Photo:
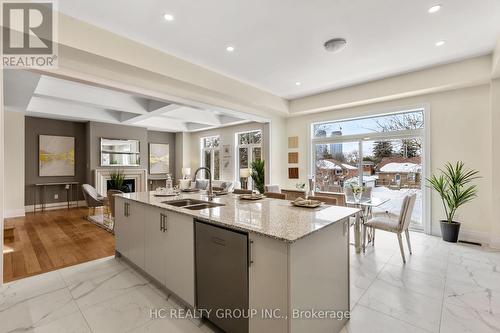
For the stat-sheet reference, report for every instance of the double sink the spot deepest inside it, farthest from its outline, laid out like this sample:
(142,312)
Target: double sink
(193,204)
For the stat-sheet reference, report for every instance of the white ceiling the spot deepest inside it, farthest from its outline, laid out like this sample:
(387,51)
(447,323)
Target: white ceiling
(279,42)
(50,97)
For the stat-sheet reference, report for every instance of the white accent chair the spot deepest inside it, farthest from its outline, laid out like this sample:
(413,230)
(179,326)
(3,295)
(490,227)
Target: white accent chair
(387,222)
(92,198)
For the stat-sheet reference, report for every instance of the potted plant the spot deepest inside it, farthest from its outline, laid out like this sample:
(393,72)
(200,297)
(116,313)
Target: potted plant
(116,181)
(257,175)
(453,184)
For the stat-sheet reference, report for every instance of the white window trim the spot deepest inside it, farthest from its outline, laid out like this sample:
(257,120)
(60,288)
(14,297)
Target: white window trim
(212,150)
(423,133)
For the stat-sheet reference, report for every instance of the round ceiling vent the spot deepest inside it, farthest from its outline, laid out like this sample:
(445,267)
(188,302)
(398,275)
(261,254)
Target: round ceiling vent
(335,45)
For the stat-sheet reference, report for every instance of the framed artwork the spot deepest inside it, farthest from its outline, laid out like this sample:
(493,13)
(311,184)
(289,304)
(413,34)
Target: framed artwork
(293,173)
(293,158)
(56,156)
(159,158)
(226,150)
(293,142)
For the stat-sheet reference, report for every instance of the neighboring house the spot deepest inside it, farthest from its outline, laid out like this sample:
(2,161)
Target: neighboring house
(399,172)
(331,173)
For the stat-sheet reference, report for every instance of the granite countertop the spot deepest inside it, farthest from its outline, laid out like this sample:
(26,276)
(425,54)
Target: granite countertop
(270,217)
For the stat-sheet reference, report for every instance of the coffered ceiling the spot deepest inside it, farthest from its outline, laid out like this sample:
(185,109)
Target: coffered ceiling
(50,97)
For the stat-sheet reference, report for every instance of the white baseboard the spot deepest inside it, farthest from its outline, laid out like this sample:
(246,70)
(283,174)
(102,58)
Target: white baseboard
(495,242)
(8,213)
(475,236)
(54,205)
(469,236)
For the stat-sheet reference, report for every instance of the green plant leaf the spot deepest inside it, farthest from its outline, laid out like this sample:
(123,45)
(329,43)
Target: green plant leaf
(452,186)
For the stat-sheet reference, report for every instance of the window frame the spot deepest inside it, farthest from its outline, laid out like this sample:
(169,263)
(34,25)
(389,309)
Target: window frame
(211,150)
(250,147)
(423,133)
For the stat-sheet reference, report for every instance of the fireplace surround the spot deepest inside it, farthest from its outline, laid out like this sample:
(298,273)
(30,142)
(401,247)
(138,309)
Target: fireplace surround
(103,175)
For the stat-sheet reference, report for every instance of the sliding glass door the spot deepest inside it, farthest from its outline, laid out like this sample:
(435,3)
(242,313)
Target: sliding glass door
(384,153)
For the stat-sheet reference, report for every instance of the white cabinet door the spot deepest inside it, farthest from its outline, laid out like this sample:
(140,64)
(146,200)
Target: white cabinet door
(179,256)
(155,243)
(122,227)
(135,215)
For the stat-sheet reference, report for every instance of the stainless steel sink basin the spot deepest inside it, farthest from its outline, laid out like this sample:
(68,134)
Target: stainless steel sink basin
(193,204)
(203,206)
(183,202)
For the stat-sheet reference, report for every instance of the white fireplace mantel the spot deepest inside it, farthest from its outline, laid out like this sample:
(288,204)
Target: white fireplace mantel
(103,175)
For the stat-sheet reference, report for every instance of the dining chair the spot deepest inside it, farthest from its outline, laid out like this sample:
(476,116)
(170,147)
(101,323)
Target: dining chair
(387,222)
(272,188)
(275,195)
(328,200)
(241,191)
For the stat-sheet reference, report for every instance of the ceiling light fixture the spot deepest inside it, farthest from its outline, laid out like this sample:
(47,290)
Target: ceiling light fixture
(335,45)
(440,43)
(230,48)
(168,17)
(434,9)
(298,83)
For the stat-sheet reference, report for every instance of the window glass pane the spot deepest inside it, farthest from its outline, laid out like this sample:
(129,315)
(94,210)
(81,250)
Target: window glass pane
(207,158)
(336,164)
(210,142)
(387,123)
(243,157)
(215,141)
(256,154)
(254,137)
(216,170)
(393,169)
(243,139)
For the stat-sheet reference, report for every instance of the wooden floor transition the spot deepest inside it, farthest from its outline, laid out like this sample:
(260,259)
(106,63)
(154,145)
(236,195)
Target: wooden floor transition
(51,240)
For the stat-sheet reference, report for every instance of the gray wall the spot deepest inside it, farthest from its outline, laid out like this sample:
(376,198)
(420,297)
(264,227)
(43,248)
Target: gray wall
(87,151)
(164,137)
(96,131)
(39,126)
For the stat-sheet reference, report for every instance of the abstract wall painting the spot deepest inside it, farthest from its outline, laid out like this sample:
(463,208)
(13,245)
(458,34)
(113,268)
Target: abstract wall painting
(158,158)
(56,156)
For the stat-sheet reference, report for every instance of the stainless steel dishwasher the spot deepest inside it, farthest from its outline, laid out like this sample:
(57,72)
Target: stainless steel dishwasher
(222,276)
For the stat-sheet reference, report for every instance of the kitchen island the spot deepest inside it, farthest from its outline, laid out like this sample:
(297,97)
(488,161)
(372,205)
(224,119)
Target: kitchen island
(293,271)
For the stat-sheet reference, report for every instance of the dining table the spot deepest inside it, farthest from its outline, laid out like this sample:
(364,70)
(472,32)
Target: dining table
(365,204)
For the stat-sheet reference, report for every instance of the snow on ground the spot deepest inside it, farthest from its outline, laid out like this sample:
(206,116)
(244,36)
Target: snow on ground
(396,200)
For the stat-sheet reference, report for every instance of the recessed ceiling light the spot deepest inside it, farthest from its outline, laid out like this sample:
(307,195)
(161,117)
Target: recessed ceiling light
(435,9)
(298,83)
(440,43)
(230,48)
(168,17)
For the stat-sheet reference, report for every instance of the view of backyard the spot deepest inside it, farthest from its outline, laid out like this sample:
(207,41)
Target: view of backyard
(390,164)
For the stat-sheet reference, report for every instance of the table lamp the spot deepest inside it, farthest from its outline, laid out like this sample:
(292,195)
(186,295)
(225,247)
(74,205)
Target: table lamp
(244,174)
(186,173)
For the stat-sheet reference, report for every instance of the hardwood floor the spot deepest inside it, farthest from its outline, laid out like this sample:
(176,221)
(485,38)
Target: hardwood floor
(51,240)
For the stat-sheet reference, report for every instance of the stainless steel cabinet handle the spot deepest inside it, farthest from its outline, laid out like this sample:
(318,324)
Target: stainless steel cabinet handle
(250,257)
(163,222)
(126,208)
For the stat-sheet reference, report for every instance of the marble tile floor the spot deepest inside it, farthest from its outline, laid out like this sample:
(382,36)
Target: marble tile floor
(442,288)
